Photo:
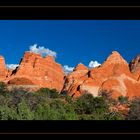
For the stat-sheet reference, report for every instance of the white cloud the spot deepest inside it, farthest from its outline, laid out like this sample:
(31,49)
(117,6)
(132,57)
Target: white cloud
(67,69)
(42,50)
(12,66)
(93,64)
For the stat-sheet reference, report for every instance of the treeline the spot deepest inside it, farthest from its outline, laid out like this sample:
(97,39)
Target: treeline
(45,104)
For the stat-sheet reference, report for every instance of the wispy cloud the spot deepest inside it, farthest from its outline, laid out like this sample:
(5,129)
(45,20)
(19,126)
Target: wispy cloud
(67,69)
(93,64)
(42,50)
(11,66)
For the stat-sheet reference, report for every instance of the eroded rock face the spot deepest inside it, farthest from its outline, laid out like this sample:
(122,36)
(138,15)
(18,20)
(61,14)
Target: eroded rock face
(135,64)
(35,70)
(122,85)
(74,80)
(3,70)
(135,67)
(113,76)
(113,66)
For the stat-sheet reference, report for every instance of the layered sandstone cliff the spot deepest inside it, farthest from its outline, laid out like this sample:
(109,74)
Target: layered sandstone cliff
(36,70)
(113,76)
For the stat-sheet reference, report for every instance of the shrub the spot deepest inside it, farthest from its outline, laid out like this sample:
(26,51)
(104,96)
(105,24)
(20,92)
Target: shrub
(54,93)
(2,100)
(70,113)
(69,99)
(107,96)
(42,112)
(7,113)
(84,104)
(123,99)
(33,100)
(48,104)
(3,88)
(55,110)
(24,112)
(87,104)
(49,93)
(57,104)
(114,116)
(94,116)
(134,112)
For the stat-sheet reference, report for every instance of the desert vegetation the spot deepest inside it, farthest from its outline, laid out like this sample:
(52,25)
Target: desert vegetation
(46,104)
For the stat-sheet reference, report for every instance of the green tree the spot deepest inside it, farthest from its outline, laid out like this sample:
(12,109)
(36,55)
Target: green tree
(7,113)
(42,112)
(24,112)
(88,104)
(48,93)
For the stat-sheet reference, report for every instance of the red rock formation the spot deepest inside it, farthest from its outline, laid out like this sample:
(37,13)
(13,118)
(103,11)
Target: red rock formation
(80,66)
(135,64)
(107,75)
(122,85)
(74,79)
(135,67)
(35,70)
(112,76)
(3,70)
(9,73)
(113,66)
(117,77)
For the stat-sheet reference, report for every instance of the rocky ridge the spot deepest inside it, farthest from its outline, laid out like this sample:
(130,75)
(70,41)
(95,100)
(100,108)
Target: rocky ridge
(115,76)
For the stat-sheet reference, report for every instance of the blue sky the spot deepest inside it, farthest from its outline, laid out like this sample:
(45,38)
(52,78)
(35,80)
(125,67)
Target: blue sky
(74,41)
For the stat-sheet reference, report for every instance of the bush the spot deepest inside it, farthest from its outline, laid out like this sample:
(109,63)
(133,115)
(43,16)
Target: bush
(16,94)
(70,113)
(42,112)
(134,112)
(105,94)
(87,104)
(2,100)
(114,116)
(24,112)
(33,100)
(123,99)
(55,110)
(69,99)
(3,88)
(46,104)
(7,113)
(50,93)
(84,104)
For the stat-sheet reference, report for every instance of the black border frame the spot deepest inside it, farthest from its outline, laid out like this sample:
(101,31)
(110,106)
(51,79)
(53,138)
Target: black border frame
(70,13)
